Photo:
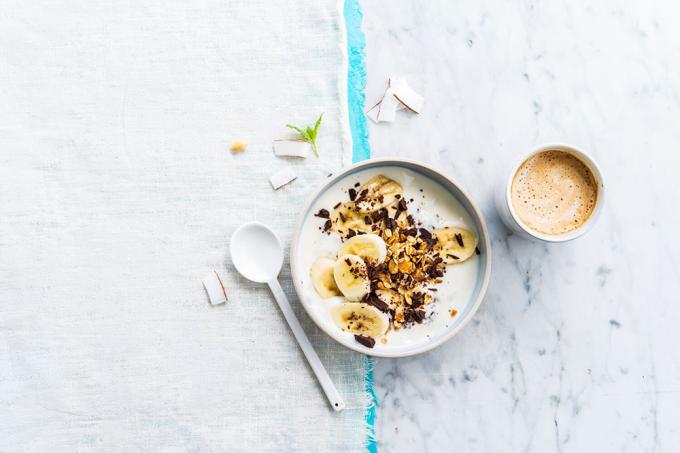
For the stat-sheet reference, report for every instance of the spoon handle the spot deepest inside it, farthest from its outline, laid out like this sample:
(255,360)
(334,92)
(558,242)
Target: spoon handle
(337,403)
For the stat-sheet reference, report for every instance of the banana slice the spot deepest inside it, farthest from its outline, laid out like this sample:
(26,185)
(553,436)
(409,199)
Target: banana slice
(370,247)
(323,280)
(345,217)
(360,319)
(381,192)
(455,244)
(351,276)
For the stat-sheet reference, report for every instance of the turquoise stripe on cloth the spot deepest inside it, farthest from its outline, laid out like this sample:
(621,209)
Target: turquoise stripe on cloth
(356,82)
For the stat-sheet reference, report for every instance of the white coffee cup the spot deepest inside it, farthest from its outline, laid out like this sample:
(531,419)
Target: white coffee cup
(512,220)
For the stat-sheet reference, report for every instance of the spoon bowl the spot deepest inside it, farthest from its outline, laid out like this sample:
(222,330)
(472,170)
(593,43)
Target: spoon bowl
(256,252)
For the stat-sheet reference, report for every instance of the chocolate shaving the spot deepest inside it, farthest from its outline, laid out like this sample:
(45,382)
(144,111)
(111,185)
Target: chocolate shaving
(477,251)
(367,341)
(351,233)
(452,256)
(342,217)
(357,184)
(327,225)
(352,194)
(323,213)
(337,205)
(459,239)
(348,262)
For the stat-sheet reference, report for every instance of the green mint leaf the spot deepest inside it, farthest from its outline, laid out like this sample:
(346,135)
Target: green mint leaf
(317,124)
(295,128)
(308,134)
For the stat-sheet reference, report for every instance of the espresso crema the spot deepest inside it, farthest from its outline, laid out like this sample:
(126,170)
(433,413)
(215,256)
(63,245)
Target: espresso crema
(554,193)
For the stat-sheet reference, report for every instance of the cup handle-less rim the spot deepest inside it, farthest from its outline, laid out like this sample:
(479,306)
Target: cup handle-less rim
(586,159)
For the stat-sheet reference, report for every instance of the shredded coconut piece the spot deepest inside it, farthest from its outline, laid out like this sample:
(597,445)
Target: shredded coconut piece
(282,178)
(292,148)
(213,285)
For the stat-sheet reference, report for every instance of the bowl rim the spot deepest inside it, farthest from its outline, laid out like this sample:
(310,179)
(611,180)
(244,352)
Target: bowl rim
(476,214)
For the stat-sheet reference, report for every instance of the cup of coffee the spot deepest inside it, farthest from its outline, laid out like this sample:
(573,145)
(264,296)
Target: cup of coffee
(553,194)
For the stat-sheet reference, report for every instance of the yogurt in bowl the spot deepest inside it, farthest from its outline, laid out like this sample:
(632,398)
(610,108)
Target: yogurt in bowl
(390,258)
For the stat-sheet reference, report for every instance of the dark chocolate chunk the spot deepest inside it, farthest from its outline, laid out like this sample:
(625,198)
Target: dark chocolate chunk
(414,315)
(357,184)
(401,207)
(323,213)
(352,194)
(459,239)
(477,251)
(373,299)
(342,217)
(327,225)
(417,299)
(361,196)
(367,341)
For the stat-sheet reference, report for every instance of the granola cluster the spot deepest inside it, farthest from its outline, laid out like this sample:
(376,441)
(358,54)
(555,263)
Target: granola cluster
(400,285)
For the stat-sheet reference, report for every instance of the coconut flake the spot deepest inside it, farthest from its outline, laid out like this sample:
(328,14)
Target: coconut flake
(282,178)
(215,289)
(394,82)
(292,148)
(387,110)
(409,98)
(398,96)
(372,113)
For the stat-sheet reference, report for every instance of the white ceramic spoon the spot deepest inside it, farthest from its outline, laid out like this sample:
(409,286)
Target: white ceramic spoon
(257,254)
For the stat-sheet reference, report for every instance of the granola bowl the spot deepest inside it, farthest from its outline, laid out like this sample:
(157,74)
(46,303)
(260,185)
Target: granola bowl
(390,257)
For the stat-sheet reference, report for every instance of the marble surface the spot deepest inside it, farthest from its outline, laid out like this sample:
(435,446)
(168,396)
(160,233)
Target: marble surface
(575,347)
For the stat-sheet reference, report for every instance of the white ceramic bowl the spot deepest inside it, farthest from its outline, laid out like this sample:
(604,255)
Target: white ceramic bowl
(482,273)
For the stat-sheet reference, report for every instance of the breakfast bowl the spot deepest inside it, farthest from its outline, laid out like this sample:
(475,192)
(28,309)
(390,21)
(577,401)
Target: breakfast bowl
(390,257)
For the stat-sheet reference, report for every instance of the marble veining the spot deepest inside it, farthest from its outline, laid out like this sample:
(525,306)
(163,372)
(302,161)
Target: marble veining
(575,346)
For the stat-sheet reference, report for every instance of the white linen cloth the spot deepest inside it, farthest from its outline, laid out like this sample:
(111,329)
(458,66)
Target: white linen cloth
(118,195)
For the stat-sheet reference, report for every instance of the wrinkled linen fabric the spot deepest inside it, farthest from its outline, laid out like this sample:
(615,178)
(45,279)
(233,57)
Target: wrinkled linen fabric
(118,194)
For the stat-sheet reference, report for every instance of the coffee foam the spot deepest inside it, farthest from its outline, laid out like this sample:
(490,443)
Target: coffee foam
(554,193)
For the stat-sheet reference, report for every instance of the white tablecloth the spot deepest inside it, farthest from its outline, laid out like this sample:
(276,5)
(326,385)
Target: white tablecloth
(118,195)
